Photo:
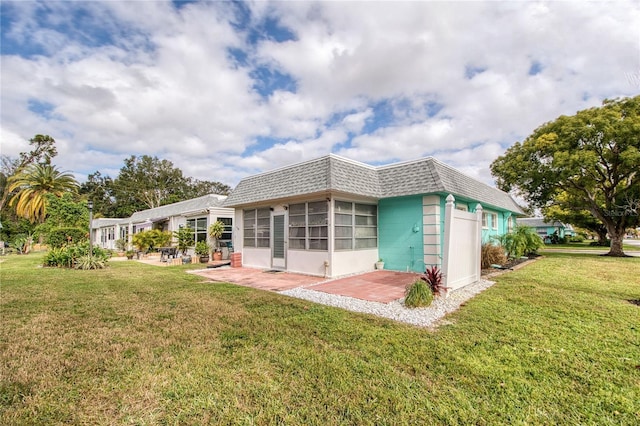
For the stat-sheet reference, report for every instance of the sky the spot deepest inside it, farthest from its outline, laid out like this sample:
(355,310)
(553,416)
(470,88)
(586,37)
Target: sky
(225,90)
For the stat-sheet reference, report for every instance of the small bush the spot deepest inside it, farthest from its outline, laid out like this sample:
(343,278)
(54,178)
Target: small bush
(577,239)
(121,244)
(492,255)
(433,277)
(87,262)
(69,256)
(418,294)
(151,239)
(522,241)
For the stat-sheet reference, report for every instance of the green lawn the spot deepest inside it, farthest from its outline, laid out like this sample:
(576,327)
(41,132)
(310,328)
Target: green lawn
(585,246)
(557,342)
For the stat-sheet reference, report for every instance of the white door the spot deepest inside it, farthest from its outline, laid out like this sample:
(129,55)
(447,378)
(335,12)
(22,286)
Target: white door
(278,254)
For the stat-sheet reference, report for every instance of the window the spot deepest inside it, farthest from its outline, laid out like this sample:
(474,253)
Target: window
(309,226)
(485,224)
(356,226)
(462,207)
(257,227)
(227,235)
(298,226)
(494,221)
(343,218)
(199,226)
(124,232)
(510,224)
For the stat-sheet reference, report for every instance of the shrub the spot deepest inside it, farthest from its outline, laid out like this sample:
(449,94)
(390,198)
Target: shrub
(121,244)
(64,236)
(60,257)
(202,248)
(418,294)
(185,239)
(69,256)
(87,262)
(433,277)
(492,255)
(523,240)
(151,239)
(577,239)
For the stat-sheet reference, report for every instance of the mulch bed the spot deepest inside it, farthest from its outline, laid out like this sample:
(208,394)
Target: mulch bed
(512,263)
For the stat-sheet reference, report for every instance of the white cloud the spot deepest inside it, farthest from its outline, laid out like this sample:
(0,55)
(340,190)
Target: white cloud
(166,84)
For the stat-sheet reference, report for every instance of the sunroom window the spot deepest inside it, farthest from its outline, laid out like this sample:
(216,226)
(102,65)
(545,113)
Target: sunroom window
(356,226)
(308,226)
(257,227)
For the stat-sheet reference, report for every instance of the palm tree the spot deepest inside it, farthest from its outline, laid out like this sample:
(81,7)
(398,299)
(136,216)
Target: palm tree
(33,183)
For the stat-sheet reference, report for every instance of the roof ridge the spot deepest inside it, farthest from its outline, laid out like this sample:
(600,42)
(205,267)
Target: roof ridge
(349,160)
(403,163)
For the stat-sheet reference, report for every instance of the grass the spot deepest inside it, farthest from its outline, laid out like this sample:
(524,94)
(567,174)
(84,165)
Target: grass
(585,246)
(557,342)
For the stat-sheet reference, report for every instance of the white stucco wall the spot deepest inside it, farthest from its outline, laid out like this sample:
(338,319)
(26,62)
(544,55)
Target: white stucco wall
(307,262)
(351,262)
(256,257)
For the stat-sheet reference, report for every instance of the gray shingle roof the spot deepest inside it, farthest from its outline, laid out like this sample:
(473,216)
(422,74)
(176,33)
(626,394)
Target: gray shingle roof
(337,174)
(107,221)
(183,207)
(537,222)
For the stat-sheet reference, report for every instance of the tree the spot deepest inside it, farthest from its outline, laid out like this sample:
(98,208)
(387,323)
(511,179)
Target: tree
(66,211)
(32,184)
(148,182)
(99,189)
(591,158)
(42,153)
(567,212)
(142,183)
(198,188)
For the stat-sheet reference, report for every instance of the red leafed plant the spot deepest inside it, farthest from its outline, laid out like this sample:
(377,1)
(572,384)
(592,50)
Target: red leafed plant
(433,277)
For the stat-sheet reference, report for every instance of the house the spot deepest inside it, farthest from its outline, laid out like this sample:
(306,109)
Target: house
(197,213)
(548,231)
(333,216)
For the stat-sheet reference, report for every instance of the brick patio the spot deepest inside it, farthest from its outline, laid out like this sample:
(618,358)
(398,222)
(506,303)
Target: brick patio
(377,286)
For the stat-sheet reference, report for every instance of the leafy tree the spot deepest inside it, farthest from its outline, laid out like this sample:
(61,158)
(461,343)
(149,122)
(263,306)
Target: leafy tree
(147,182)
(590,158)
(99,189)
(66,211)
(198,188)
(566,211)
(32,184)
(44,150)
(142,183)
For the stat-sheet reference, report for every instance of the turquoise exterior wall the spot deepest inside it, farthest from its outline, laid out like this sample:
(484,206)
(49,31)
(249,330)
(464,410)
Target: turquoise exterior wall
(502,225)
(405,243)
(399,246)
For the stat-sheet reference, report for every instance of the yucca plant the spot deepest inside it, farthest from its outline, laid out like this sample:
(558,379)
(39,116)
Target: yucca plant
(90,262)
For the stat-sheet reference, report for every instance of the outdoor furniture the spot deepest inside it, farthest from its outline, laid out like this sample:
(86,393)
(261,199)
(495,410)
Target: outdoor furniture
(167,253)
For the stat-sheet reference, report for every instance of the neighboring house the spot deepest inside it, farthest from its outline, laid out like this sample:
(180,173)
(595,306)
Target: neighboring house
(546,230)
(197,213)
(333,216)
